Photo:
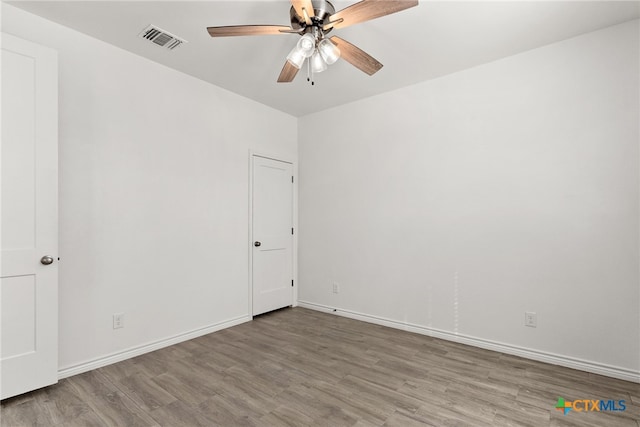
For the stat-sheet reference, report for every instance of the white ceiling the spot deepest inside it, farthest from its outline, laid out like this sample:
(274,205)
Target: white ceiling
(421,43)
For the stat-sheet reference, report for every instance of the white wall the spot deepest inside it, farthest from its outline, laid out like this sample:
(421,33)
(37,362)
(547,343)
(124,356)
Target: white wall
(460,203)
(153,194)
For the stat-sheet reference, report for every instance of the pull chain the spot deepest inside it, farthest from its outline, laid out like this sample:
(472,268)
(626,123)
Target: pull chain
(311,68)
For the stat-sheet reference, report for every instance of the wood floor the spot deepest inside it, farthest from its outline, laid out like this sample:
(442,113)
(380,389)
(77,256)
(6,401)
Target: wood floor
(299,367)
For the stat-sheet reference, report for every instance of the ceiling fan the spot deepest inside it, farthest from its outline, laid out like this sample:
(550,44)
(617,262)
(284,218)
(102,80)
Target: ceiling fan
(313,20)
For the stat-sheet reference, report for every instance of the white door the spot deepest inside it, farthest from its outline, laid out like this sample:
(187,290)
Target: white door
(272,261)
(29,151)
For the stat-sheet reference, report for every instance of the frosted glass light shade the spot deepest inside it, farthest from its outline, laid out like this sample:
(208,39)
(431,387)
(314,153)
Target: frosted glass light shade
(317,63)
(296,57)
(329,51)
(307,44)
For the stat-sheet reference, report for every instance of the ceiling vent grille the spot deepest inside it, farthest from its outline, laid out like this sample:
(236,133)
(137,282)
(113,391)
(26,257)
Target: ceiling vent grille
(161,37)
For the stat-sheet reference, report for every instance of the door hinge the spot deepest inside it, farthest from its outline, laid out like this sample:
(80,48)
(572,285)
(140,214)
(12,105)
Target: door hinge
(292,179)
(291,230)
(291,282)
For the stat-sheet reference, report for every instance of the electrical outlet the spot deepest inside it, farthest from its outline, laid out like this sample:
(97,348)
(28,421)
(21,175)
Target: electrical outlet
(530,319)
(118,320)
(336,288)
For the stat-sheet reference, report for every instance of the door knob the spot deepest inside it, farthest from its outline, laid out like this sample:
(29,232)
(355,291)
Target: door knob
(256,244)
(46,260)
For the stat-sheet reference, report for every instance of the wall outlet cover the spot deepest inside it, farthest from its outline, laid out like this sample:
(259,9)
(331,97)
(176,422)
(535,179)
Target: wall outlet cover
(530,319)
(118,320)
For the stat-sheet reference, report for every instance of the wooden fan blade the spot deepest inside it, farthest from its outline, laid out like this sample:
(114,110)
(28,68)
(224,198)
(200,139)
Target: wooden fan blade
(247,30)
(304,8)
(356,56)
(330,25)
(369,9)
(288,73)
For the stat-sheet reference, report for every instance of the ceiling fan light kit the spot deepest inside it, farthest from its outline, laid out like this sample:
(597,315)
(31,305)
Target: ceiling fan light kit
(306,45)
(313,19)
(296,57)
(330,52)
(317,63)
(309,47)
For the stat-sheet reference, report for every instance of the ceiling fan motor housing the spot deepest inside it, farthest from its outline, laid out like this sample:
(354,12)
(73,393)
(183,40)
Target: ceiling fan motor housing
(322,10)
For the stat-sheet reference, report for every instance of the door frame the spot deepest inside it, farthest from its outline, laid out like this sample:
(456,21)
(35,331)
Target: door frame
(285,159)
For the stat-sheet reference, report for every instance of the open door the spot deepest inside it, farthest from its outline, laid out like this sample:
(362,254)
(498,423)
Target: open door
(29,239)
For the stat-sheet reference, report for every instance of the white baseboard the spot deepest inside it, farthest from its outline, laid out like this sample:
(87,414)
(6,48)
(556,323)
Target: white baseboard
(146,348)
(541,356)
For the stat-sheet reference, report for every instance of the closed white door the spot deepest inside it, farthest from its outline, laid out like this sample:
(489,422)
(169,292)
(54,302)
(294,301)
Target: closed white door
(272,260)
(29,263)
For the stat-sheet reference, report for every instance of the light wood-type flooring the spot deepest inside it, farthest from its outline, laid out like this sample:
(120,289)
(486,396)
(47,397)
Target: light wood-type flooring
(300,367)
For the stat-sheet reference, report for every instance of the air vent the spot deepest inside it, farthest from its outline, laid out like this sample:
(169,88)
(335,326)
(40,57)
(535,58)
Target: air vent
(161,37)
